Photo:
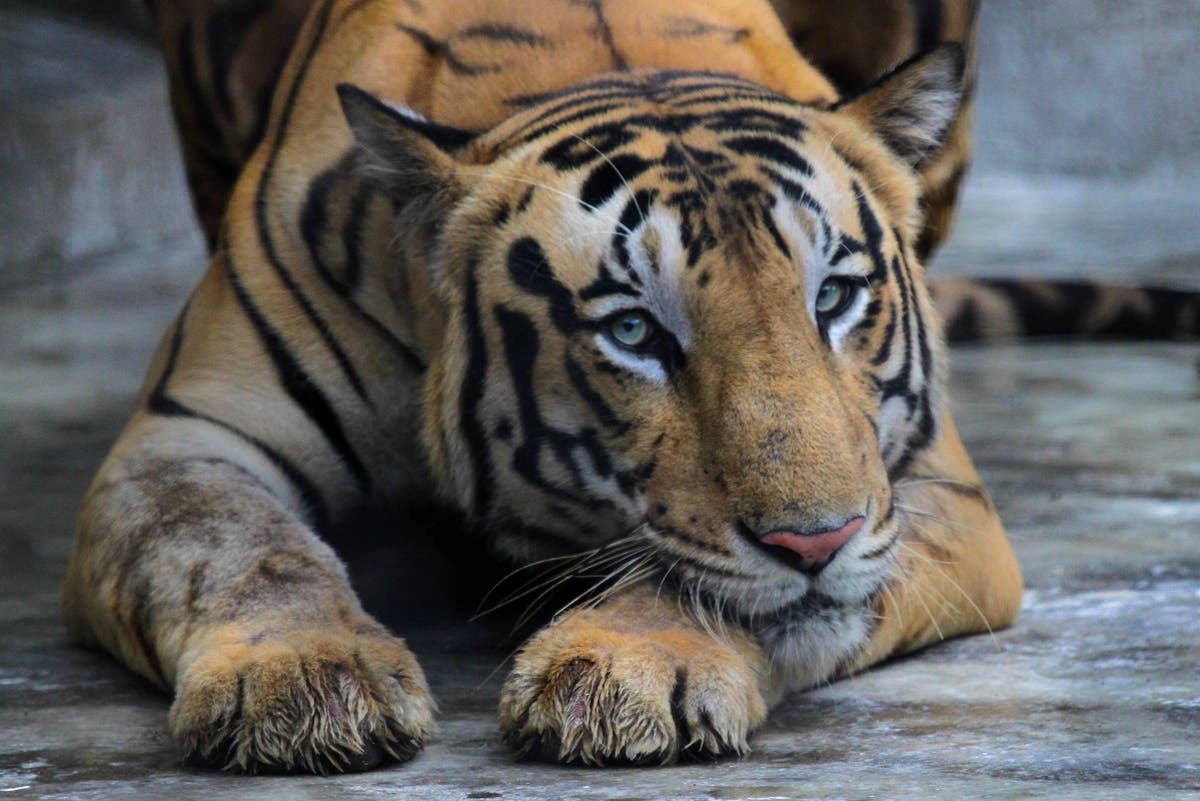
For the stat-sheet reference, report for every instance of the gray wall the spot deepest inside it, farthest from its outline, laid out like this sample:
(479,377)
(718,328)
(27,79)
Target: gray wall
(1092,88)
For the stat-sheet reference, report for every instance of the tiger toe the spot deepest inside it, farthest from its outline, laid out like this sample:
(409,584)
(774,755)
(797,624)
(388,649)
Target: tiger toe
(314,702)
(597,697)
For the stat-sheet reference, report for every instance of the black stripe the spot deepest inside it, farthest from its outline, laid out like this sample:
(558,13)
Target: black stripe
(161,404)
(687,539)
(605,32)
(886,547)
(431,46)
(962,488)
(846,246)
(226,29)
(445,51)
(901,384)
(607,178)
(889,333)
(358,5)
(300,387)
(1061,308)
(499,32)
(595,401)
(768,221)
(261,217)
(685,27)
(795,192)
(556,124)
(605,286)
(769,149)
(521,347)
(352,240)
(872,235)
(201,126)
(531,271)
(963,325)
(160,386)
(926,425)
(314,221)
(471,396)
(315,226)
(928,24)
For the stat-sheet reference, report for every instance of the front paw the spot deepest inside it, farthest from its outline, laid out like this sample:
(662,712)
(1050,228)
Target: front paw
(317,700)
(585,691)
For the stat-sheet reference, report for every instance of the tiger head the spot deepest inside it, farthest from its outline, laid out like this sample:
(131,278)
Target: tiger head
(681,308)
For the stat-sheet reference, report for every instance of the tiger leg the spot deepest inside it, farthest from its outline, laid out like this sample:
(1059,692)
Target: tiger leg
(192,569)
(635,680)
(957,573)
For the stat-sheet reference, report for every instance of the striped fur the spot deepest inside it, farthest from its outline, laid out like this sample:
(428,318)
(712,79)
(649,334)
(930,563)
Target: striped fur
(224,58)
(419,290)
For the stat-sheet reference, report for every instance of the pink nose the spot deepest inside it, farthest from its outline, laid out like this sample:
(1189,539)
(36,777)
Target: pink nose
(815,548)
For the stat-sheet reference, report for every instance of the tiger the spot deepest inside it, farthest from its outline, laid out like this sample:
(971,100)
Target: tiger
(609,278)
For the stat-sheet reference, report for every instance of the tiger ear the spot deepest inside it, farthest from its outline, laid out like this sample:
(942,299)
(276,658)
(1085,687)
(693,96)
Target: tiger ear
(408,156)
(912,108)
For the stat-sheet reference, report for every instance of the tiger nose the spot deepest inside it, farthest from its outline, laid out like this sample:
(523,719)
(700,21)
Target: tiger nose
(815,548)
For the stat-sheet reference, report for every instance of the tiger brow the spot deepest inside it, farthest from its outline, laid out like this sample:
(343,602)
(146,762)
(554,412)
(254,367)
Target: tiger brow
(620,175)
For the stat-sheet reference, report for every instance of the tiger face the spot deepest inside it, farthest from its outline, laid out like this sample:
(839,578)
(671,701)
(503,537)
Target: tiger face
(681,308)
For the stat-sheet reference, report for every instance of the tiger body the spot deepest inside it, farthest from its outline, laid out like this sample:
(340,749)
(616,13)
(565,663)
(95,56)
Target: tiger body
(421,289)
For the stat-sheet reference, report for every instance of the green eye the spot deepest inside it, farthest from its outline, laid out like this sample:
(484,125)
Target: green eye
(834,296)
(631,329)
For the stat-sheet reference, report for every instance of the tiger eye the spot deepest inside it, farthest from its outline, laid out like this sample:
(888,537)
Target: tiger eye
(833,295)
(631,329)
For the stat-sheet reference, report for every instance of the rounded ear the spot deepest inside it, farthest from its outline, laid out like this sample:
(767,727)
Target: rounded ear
(409,157)
(913,107)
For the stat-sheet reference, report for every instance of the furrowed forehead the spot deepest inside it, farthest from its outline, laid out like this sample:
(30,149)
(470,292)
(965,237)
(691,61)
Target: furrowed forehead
(622,146)
(662,101)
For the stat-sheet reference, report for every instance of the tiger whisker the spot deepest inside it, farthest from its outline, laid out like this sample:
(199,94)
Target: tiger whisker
(895,603)
(662,582)
(624,572)
(577,562)
(491,176)
(934,517)
(521,569)
(934,563)
(548,592)
(620,175)
(533,610)
(918,480)
(916,592)
(634,576)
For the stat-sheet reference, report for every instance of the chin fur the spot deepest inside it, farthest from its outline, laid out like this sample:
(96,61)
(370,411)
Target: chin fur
(809,642)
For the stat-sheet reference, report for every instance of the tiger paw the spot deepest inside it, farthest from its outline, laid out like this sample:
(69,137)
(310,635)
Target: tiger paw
(586,693)
(321,700)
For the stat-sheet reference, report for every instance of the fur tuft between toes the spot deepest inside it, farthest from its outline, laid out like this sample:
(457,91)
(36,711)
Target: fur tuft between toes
(627,701)
(313,705)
